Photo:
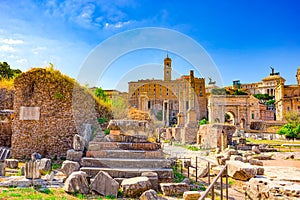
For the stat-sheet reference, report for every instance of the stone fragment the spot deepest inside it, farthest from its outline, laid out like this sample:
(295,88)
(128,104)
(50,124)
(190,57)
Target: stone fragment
(231,152)
(256,162)
(2,168)
(260,170)
(153,177)
(11,163)
(191,195)
(262,157)
(74,155)
(79,143)
(105,185)
(77,182)
(68,167)
(255,150)
(174,189)
(241,171)
(134,187)
(32,170)
(290,156)
(50,177)
(235,157)
(149,195)
(45,165)
(35,156)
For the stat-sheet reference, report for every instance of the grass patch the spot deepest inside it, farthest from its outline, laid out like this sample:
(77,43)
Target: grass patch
(272,142)
(31,193)
(193,148)
(178,177)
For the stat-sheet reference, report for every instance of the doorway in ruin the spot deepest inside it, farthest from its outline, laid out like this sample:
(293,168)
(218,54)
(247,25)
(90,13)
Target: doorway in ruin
(242,123)
(229,118)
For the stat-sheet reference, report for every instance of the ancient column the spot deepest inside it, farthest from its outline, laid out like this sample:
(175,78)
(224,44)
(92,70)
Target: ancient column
(180,115)
(192,115)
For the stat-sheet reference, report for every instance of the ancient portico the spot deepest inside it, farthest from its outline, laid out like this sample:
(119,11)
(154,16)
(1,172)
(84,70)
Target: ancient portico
(240,109)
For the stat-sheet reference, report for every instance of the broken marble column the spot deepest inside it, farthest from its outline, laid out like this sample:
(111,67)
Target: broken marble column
(32,170)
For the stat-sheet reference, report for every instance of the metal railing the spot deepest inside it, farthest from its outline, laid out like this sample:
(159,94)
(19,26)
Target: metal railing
(211,187)
(223,173)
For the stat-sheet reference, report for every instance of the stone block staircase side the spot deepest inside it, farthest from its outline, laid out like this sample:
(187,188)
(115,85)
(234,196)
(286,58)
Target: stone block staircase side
(126,160)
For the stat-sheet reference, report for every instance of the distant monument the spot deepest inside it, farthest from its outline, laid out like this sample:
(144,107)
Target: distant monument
(211,82)
(273,71)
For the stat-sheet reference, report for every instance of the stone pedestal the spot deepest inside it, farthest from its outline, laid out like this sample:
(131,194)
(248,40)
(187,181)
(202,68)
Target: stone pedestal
(32,170)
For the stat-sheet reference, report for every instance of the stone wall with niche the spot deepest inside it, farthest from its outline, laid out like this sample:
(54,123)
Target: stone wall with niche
(50,108)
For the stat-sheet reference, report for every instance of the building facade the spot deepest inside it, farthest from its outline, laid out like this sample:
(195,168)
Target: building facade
(169,99)
(287,97)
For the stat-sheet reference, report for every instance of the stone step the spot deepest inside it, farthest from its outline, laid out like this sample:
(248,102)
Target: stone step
(119,153)
(164,175)
(125,162)
(97,146)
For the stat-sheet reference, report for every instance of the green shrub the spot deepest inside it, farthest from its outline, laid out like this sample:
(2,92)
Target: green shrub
(106,131)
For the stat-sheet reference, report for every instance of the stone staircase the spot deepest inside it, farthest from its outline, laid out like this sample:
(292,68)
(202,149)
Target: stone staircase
(123,159)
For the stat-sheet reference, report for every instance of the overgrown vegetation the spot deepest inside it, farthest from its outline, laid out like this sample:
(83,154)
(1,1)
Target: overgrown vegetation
(106,131)
(35,193)
(291,129)
(7,75)
(178,177)
(203,121)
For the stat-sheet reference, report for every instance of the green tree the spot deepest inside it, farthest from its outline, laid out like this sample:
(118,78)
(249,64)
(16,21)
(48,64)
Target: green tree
(291,129)
(263,97)
(239,92)
(100,93)
(6,72)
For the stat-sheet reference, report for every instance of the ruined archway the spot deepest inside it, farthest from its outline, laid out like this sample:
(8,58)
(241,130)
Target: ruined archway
(229,118)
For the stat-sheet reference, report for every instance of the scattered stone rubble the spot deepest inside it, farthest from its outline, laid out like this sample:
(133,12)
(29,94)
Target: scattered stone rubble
(264,188)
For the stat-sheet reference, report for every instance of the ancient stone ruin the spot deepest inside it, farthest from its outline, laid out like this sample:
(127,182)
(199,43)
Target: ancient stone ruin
(49,109)
(126,153)
(215,135)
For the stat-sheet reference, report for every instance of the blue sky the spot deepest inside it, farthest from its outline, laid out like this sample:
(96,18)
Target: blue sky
(242,37)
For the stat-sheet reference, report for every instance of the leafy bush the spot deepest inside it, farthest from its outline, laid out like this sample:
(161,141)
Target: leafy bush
(102,120)
(203,121)
(106,131)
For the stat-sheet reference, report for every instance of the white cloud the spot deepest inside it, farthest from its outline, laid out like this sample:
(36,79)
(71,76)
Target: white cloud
(116,25)
(22,60)
(37,50)
(7,48)
(11,41)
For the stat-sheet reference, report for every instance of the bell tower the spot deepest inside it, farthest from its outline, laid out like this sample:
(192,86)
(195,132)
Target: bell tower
(298,75)
(167,68)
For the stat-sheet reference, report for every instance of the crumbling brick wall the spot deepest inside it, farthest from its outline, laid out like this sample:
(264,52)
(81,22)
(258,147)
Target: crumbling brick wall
(63,107)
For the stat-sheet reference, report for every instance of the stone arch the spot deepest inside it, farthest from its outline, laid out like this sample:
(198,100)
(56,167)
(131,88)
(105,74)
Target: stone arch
(229,117)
